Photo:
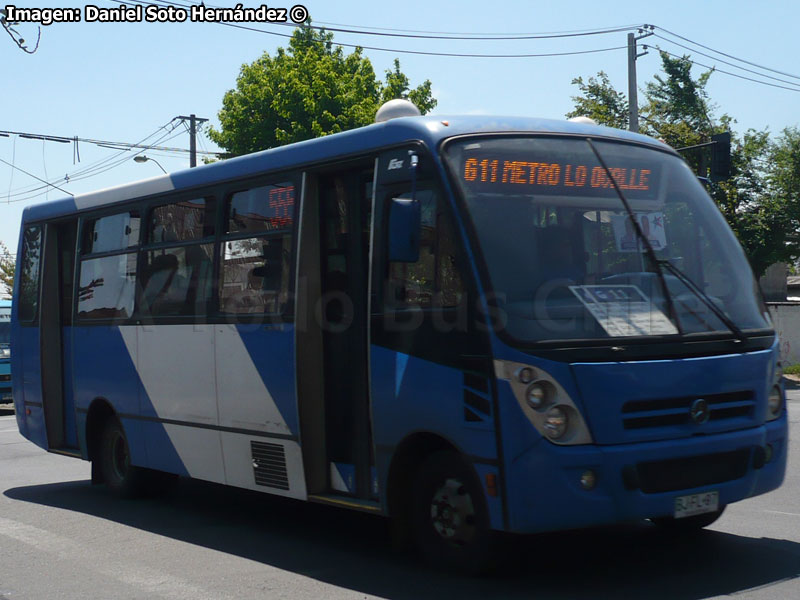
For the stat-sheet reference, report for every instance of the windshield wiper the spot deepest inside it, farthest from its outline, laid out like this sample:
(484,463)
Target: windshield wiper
(648,248)
(659,263)
(705,298)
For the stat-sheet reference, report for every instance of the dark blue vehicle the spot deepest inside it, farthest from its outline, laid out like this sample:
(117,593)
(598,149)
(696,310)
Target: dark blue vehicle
(5,351)
(468,324)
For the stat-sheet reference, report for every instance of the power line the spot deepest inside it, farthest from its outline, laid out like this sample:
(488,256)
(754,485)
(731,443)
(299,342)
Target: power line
(439,35)
(694,62)
(98,167)
(35,177)
(105,143)
(92,168)
(475,37)
(384,32)
(538,33)
(685,39)
(725,62)
(96,171)
(394,50)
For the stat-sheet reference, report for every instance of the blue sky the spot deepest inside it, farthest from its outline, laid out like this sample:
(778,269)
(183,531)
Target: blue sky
(123,81)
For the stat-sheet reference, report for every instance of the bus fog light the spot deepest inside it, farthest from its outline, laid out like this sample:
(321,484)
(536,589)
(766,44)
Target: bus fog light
(768,453)
(775,402)
(536,396)
(588,480)
(556,422)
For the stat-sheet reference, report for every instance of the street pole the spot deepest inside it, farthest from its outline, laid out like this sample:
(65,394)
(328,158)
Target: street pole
(193,122)
(633,100)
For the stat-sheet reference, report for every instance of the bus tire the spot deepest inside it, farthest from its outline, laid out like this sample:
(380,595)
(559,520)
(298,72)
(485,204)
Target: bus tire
(671,525)
(121,478)
(449,520)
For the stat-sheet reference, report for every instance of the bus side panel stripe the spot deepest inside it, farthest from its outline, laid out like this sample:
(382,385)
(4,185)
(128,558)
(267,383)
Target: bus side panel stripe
(255,378)
(155,185)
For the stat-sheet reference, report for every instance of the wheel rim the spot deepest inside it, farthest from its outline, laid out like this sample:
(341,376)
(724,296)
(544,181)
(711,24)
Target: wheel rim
(120,460)
(453,512)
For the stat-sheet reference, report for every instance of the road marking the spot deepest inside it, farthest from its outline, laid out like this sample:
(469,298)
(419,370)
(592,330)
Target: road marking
(779,512)
(152,582)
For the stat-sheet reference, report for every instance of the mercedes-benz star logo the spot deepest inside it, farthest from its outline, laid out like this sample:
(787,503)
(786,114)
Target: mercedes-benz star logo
(699,412)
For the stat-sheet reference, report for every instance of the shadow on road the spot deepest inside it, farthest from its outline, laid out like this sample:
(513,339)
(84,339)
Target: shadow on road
(352,550)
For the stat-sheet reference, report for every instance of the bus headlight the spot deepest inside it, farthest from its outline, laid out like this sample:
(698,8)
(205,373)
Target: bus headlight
(5,353)
(556,422)
(545,403)
(774,403)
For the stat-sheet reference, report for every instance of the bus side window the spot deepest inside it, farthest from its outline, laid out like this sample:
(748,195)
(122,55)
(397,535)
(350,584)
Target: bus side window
(176,274)
(106,288)
(29,273)
(256,250)
(434,281)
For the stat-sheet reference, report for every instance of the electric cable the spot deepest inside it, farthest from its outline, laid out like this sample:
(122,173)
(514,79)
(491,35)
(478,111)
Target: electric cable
(725,62)
(694,62)
(685,39)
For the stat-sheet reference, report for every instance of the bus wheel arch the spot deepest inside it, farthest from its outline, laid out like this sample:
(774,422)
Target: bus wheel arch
(108,449)
(408,458)
(449,517)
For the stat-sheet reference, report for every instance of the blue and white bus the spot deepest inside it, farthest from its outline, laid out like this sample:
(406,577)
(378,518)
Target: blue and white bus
(470,325)
(5,351)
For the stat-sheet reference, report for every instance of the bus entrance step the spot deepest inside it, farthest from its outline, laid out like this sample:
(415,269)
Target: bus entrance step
(354,503)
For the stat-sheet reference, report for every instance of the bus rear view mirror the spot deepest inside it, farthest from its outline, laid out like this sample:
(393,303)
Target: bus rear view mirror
(405,221)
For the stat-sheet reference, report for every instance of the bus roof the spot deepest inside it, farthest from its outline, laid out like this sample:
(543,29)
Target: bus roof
(431,130)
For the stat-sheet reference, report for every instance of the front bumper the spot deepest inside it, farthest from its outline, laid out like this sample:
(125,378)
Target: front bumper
(544,491)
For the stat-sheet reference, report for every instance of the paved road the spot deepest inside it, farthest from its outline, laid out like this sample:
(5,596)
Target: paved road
(62,538)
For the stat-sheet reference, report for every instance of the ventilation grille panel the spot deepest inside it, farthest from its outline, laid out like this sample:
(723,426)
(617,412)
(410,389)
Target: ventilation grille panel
(269,465)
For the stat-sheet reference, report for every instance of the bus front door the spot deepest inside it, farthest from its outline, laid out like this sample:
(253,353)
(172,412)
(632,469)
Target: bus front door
(332,332)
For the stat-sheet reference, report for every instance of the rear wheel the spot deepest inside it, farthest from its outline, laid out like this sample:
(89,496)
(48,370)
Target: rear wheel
(450,523)
(687,524)
(119,475)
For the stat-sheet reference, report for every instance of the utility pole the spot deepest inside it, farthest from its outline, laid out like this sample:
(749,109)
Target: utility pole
(633,101)
(193,122)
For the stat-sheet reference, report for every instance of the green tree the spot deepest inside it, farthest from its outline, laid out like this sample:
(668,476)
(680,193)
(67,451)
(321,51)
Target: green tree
(308,90)
(677,106)
(7,265)
(600,101)
(762,217)
(761,199)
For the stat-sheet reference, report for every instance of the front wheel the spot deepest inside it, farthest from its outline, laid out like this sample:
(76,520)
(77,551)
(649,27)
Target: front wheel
(450,523)
(119,475)
(687,524)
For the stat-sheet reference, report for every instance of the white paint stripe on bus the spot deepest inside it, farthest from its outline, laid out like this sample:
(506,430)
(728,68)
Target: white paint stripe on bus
(151,582)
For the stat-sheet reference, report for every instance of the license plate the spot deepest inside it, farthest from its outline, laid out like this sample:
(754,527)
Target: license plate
(696,504)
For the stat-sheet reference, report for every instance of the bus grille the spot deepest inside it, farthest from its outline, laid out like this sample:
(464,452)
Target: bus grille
(643,414)
(687,473)
(269,465)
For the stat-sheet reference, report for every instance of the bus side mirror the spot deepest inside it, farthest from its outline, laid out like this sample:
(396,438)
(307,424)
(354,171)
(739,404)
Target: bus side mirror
(405,223)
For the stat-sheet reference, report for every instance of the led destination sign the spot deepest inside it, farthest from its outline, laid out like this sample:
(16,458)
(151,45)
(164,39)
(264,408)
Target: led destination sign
(558,177)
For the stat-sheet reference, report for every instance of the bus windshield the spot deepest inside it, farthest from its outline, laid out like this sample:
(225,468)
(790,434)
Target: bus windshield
(565,260)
